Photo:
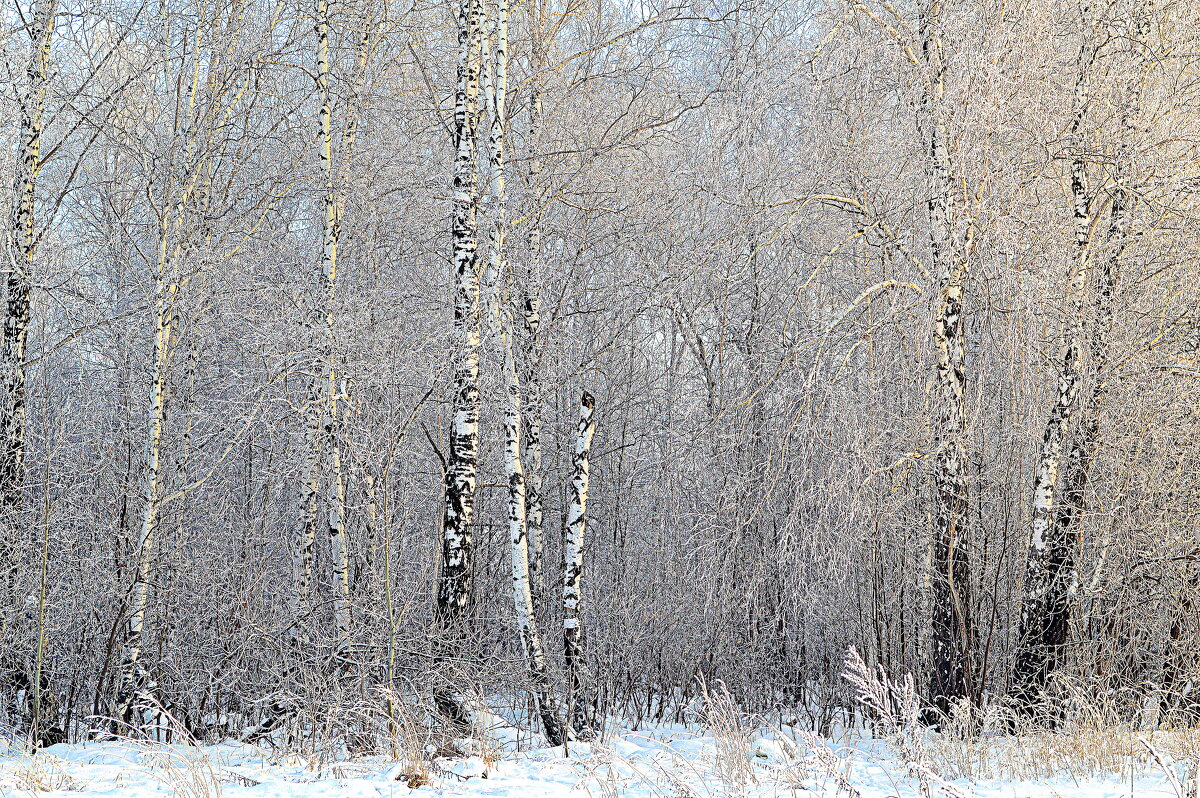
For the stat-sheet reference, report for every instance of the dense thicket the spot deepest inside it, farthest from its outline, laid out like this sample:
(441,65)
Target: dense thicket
(889,313)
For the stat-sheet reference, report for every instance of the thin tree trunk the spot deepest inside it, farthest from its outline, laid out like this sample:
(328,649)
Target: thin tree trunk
(1045,619)
(496,89)
(531,638)
(338,541)
(335,486)
(172,251)
(580,698)
(324,472)
(132,672)
(1086,441)
(306,555)
(530,288)
(1046,623)
(454,580)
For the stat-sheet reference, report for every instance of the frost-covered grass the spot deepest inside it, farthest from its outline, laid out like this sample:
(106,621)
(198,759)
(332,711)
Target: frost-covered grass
(726,758)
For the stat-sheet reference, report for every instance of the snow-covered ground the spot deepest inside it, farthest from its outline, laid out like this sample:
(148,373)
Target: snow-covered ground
(665,762)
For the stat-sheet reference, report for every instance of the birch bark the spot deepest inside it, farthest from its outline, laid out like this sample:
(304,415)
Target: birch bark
(454,580)
(1051,576)
(951,677)
(18,249)
(334,479)
(325,479)
(1050,564)
(1086,441)
(496,90)
(201,115)
(132,673)
(21,246)
(580,699)
(531,638)
(311,508)
(530,292)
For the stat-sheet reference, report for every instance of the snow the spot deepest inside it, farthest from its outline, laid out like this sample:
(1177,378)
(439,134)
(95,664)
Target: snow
(662,762)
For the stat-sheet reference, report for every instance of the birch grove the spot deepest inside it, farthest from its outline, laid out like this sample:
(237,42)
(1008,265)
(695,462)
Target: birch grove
(886,315)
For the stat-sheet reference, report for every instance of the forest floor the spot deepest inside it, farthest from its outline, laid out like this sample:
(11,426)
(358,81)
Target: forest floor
(665,762)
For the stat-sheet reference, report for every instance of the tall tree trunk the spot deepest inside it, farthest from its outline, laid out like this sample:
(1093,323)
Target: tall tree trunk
(1065,521)
(1051,576)
(1050,565)
(530,293)
(454,580)
(20,249)
(132,672)
(324,472)
(951,677)
(168,268)
(334,482)
(531,638)
(496,89)
(338,541)
(580,698)
(1086,439)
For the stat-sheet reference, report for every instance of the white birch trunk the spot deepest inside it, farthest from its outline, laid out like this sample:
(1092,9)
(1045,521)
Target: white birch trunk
(324,478)
(1049,570)
(951,624)
(531,638)
(496,88)
(1086,440)
(454,579)
(187,186)
(311,507)
(132,674)
(20,250)
(1051,575)
(530,290)
(339,544)
(580,698)
(335,486)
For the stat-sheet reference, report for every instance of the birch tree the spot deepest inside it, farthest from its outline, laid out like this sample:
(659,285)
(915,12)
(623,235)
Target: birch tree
(1051,576)
(529,286)
(580,700)
(254,301)
(200,94)
(952,236)
(20,248)
(454,579)
(330,448)
(495,87)
(1050,566)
